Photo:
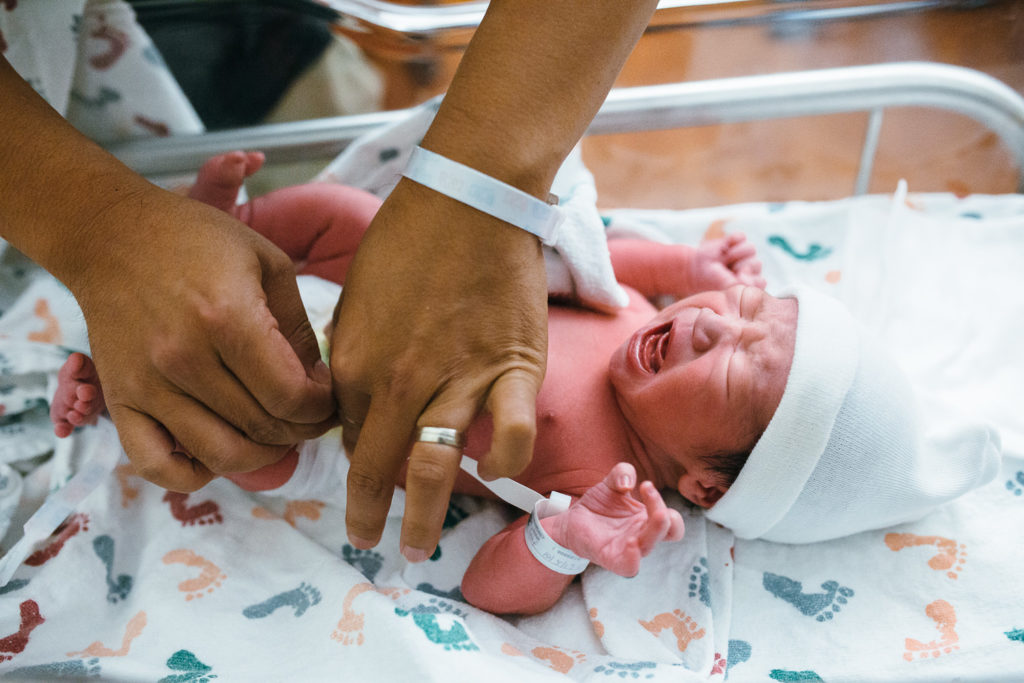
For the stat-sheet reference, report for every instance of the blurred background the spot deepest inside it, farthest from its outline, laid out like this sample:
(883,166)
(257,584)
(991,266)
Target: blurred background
(243,63)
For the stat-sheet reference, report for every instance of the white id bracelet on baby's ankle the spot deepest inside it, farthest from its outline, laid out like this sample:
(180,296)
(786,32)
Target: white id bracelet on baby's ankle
(550,554)
(484,193)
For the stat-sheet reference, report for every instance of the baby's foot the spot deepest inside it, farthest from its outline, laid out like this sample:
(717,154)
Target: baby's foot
(221,177)
(79,398)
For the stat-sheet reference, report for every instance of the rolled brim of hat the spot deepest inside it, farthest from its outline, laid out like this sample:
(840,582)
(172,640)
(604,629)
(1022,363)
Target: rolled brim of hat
(852,446)
(825,358)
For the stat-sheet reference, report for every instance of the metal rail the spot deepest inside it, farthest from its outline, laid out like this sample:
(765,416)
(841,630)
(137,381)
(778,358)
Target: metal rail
(658,107)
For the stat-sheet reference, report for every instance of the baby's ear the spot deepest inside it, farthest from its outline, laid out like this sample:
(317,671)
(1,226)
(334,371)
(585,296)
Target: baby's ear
(699,490)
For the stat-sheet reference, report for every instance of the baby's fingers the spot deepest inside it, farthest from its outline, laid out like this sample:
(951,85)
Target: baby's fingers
(737,252)
(660,522)
(621,478)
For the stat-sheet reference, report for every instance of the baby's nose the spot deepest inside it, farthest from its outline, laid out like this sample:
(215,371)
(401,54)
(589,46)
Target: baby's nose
(711,329)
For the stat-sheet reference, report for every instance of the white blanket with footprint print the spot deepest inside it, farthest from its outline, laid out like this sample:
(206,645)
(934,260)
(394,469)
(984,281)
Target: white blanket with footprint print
(144,585)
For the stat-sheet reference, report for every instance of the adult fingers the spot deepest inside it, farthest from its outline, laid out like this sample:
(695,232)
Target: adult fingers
(373,469)
(215,443)
(273,352)
(223,393)
(429,480)
(430,477)
(151,451)
(213,446)
(512,403)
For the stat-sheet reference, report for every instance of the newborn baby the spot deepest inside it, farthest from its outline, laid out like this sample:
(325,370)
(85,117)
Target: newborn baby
(729,396)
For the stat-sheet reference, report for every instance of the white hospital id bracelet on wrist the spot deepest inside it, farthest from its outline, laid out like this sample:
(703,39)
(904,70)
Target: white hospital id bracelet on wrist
(550,554)
(484,193)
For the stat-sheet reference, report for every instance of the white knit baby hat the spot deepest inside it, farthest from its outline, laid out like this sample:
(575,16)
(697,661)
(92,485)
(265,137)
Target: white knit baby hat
(852,445)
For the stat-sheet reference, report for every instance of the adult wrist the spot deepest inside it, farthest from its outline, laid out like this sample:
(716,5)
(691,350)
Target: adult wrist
(484,193)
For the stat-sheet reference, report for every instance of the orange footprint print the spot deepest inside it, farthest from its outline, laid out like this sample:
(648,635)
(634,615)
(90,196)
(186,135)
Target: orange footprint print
(558,659)
(350,627)
(942,613)
(50,334)
(682,626)
(598,625)
(129,492)
(293,510)
(210,576)
(716,229)
(510,650)
(349,630)
(950,558)
(131,632)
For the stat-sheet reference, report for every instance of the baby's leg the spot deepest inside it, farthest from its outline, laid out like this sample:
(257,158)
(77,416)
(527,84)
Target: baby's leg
(79,399)
(318,225)
(221,177)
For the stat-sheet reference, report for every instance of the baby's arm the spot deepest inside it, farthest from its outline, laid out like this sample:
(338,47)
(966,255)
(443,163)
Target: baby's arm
(654,268)
(607,525)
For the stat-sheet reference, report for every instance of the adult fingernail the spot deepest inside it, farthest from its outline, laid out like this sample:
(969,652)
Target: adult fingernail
(414,554)
(361,543)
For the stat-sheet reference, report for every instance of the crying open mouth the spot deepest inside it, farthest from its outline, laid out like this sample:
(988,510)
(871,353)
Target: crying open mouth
(654,346)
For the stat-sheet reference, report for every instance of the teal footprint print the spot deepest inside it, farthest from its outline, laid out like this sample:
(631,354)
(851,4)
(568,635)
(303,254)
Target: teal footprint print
(192,670)
(117,589)
(453,594)
(73,669)
(1016,485)
(448,631)
(453,516)
(367,562)
(300,599)
(13,585)
(626,669)
(783,675)
(814,250)
(699,582)
(822,606)
(739,652)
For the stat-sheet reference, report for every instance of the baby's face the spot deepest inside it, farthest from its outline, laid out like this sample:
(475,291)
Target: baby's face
(705,376)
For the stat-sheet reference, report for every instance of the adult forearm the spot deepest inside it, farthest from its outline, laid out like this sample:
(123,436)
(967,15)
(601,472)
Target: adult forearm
(533,77)
(54,182)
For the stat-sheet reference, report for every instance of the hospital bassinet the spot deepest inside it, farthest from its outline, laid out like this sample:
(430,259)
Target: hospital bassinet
(141,584)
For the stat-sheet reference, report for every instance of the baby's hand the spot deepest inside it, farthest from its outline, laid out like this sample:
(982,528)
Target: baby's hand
(612,528)
(726,261)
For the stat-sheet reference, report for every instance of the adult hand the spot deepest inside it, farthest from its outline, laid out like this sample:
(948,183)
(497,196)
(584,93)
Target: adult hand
(614,529)
(197,331)
(443,314)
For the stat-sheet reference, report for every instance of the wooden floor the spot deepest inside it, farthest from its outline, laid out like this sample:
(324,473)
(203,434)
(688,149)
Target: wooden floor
(793,159)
